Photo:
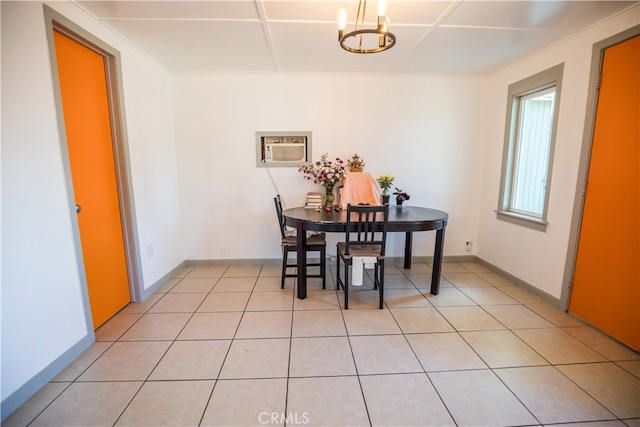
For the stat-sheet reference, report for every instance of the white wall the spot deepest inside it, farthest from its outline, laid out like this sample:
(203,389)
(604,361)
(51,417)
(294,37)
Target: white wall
(426,131)
(533,256)
(42,300)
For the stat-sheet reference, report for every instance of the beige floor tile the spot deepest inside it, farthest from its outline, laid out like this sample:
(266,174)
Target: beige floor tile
(405,298)
(420,320)
(474,267)
(318,300)
(321,356)
(168,286)
(235,284)
(403,400)
(270,283)
(207,271)
(258,358)
(597,424)
(265,324)
(182,272)
(178,303)
(479,398)
(195,285)
(631,366)
(601,343)
(383,354)
(557,346)
(555,316)
(444,352)
(502,349)
(551,396)
(470,318)
(423,282)
(168,403)
(522,295)
(318,323)
(225,301)
(88,404)
(361,298)
(246,403)
(264,301)
(449,297)
(370,322)
(126,361)
(115,327)
(78,366)
(495,279)
(397,281)
(271,270)
(609,384)
(161,326)
(211,326)
(22,416)
(192,360)
(453,267)
(488,296)
(243,271)
(466,280)
(327,401)
(416,268)
(141,307)
(517,317)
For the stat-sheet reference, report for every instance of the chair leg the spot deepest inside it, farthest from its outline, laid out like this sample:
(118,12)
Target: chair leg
(285,256)
(346,286)
(338,272)
(323,267)
(381,283)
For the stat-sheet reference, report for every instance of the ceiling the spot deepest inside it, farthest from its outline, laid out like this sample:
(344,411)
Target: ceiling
(300,36)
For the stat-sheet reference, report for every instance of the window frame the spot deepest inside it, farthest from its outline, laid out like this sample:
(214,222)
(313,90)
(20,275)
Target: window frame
(543,80)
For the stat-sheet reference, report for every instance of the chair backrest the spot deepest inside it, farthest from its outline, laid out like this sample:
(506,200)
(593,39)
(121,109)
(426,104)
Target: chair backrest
(278,204)
(367,226)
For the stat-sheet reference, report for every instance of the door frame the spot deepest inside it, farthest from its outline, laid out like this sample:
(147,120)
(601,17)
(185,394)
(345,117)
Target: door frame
(56,21)
(597,59)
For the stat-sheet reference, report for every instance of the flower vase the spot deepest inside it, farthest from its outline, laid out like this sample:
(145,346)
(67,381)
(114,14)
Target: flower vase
(385,199)
(399,201)
(328,199)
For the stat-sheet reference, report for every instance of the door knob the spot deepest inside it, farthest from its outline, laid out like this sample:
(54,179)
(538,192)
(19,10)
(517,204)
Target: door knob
(78,208)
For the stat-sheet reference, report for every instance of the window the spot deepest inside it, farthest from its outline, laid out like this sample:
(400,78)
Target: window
(532,111)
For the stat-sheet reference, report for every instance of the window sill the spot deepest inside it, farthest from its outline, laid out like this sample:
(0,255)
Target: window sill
(523,220)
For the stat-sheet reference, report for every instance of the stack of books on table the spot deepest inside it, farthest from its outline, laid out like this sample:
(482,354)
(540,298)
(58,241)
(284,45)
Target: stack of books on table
(314,200)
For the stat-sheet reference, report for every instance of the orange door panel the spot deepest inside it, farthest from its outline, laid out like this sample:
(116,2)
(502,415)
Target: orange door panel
(85,102)
(605,289)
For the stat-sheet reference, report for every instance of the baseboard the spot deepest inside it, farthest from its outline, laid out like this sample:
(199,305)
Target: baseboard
(42,378)
(147,292)
(556,302)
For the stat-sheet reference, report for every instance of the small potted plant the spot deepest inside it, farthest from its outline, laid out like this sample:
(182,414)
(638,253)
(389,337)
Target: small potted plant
(401,196)
(385,182)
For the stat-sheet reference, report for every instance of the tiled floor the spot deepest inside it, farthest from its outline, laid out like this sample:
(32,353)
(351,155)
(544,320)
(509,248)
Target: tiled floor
(224,346)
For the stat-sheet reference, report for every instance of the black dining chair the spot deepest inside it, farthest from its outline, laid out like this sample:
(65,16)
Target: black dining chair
(315,243)
(366,237)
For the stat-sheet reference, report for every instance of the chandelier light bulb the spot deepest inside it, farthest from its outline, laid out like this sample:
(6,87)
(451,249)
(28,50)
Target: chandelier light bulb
(382,7)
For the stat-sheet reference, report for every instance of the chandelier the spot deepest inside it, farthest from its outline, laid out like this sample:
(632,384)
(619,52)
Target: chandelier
(365,40)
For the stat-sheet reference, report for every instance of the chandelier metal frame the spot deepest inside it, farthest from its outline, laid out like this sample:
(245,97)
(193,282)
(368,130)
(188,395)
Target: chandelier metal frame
(386,39)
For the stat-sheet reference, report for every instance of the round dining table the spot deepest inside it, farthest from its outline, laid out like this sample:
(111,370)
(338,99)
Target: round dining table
(406,219)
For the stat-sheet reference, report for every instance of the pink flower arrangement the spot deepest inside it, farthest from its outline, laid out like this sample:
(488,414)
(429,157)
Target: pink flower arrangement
(324,172)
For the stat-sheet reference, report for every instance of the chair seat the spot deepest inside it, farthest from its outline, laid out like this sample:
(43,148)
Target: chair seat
(359,251)
(316,239)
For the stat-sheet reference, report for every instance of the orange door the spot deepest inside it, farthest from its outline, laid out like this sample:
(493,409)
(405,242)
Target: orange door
(83,87)
(605,289)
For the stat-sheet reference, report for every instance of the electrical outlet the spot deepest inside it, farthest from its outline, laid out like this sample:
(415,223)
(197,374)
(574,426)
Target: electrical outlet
(468,245)
(150,251)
